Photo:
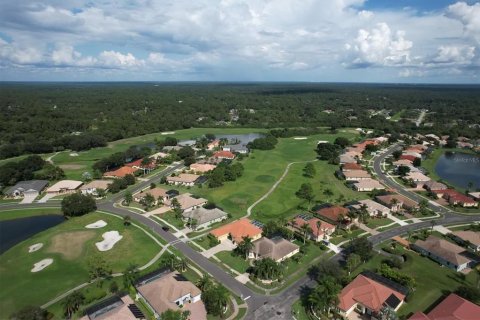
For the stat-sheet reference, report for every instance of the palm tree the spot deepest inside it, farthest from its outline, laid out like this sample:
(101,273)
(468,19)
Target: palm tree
(130,275)
(306,230)
(72,303)
(245,246)
(318,224)
(182,265)
(205,282)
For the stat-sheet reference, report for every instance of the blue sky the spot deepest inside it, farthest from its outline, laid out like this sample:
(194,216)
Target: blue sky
(422,41)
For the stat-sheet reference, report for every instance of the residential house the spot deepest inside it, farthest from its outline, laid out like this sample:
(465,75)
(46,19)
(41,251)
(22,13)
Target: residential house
(187,202)
(202,167)
(373,208)
(172,148)
(407,157)
(277,249)
(184,179)
(434,185)
(237,230)
(356,175)
(65,187)
(214,144)
(137,164)
(468,238)
(368,293)
(28,187)
(354,153)
(170,290)
(397,202)
(159,194)
(410,152)
(334,214)
(444,252)
(204,217)
(120,172)
(224,155)
(159,155)
(418,178)
(344,158)
(186,143)
(452,307)
(368,185)
(456,198)
(475,195)
(236,148)
(114,308)
(92,187)
(351,167)
(320,229)
(402,162)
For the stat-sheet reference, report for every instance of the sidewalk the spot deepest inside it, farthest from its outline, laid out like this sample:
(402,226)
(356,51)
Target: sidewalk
(397,220)
(369,230)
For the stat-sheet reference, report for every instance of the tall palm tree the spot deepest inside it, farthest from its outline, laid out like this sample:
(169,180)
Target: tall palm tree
(318,224)
(245,246)
(72,303)
(306,229)
(181,264)
(205,282)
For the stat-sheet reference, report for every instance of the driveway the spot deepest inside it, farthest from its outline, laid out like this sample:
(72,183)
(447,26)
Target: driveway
(157,211)
(225,245)
(29,197)
(47,197)
(399,221)
(442,229)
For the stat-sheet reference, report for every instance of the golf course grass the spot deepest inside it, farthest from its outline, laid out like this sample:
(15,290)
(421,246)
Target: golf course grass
(24,213)
(71,246)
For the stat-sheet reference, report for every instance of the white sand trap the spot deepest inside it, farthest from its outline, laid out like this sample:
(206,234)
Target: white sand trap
(109,240)
(73,154)
(96,225)
(300,138)
(168,132)
(40,265)
(35,247)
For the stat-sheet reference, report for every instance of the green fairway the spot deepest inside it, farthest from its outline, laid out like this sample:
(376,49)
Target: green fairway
(426,273)
(70,245)
(23,213)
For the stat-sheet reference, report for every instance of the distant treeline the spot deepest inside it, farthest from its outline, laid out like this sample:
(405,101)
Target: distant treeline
(41,118)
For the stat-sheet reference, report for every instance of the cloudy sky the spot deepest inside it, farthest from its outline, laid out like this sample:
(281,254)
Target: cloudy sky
(241,40)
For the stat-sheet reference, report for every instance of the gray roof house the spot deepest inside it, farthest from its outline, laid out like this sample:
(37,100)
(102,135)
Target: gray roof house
(29,186)
(205,217)
(236,148)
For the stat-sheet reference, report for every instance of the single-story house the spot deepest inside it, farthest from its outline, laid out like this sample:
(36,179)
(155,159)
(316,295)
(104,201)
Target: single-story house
(120,172)
(417,177)
(320,230)
(452,307)
(170,290)
(22,188)
(334,214)
(114,308)
(456,198)
(187,202)
(470,238)
(475,195)
(345,158)
(434,185)
(411,152)
(408,157)
(402,162)
(205,217)
(351,167)
(397,202)
(159,155)
(277,249)
(172,148)
(224,155)
(237,230)
(356,175)
(184,179)
(368,185)
(444,252)
(374,208)
(157,193)
(64,187)
(368,293)
(236,148)
(92,187)
(202,167)
(186,143)
(137,164)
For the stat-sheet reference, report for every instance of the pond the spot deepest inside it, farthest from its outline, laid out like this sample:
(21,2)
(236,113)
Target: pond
(241,138)
(15,231)
(459,169)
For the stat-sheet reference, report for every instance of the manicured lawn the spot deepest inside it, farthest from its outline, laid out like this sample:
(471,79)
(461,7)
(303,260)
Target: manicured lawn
(23,213)
(346,236)
(204,242)
(299,311)
(71,246)
(312,252)
(432,280)
(378,222)
(169,216)
(235,262)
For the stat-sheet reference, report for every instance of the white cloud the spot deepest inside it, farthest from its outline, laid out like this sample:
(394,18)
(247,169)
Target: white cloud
(456,55)
(120,60)
(468,15)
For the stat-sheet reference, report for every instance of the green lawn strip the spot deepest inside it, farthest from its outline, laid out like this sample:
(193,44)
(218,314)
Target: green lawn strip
(24,213)
(204,242)
(68,269)
(299,311)
(241,313)
(426,272)
(235,262)
(395,225)
(7,200)
(169,216)
(344,235)
(397,116)
(378,222)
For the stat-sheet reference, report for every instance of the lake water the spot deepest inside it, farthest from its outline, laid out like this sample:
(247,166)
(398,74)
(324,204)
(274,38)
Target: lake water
(243,138)
(459,169)
(15,231)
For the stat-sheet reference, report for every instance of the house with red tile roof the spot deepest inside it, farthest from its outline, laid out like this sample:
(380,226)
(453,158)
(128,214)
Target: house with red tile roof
(224,155)
(368,296)
(320,230)
(351,166)
(408,157)
(452,307)
(137,164)
(120,172)
(237,230)
(335,215)
(455,198)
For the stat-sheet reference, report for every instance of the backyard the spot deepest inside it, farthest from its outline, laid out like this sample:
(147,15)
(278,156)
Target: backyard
(71,246)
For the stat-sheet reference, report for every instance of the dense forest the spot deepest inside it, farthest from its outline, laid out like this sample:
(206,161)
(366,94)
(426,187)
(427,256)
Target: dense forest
(44,117)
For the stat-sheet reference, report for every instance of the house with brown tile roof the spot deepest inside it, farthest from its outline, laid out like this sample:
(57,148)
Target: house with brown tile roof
(202,167)
(64,187)
(396,202)
(237,230)
(368,185)
(470,238)
(157,193)
(373,208)
(172,291)
(224,155)
(183,179)
(434,185)
(320,229)
(351,166)
(444,252)
(455,198)
(333,214)
(452,307)
(120,172)
(277,249)
(367,296)
(187,202)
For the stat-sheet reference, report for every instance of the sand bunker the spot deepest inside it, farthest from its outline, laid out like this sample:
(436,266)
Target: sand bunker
(96,225)
(109,240)
(300,138)
(168,132)
(35,247)
(40,265)
(73,154)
